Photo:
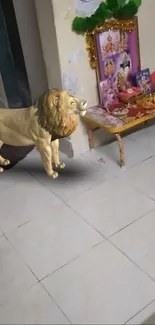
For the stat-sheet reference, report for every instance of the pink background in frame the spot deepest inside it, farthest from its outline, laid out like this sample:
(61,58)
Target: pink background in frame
(117,55)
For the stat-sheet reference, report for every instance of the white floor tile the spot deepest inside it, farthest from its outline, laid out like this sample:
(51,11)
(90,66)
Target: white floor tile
(101,287)
(142,177)
(111,206)
(135,152)
(23,202)
(54,240)
(78,176)
(145,317)
(33,307)
(138,242)
(16,175)
(146,137)
(14,274)
(108,166)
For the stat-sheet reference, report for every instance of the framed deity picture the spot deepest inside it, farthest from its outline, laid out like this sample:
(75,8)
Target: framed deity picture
(118,58)
(114,52)
(143,79)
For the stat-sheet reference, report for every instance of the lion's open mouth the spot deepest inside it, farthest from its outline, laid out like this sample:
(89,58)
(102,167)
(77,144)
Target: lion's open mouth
(83,108)
(82,113)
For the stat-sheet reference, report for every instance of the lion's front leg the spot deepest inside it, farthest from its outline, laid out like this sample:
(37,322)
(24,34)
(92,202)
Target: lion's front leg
(55,153)
(46,157)
(3,161)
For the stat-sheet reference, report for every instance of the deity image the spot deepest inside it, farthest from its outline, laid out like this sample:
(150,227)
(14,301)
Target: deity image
(144,85)
(105,85)
(125,64)
(123,44)
(125,61)
(109,67)
(109,47)
(110,96)
(108,93)
(122,83)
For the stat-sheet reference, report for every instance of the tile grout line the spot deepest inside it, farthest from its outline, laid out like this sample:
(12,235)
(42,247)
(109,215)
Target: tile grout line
(59,268)
(27,265)
(138,190)
(110,236)
(90,188)
(145,307)
(133,185)
(86,221)
(38,281)
(130,259)
(56,270)
(56,303)
(42,183)
(63,201)
(22,259)
(72,260)
(131,223)
(92,247)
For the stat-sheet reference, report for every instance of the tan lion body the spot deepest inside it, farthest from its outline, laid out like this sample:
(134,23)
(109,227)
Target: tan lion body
(54,115)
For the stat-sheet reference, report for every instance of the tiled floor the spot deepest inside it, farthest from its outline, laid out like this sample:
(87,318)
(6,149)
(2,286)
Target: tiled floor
(80,249)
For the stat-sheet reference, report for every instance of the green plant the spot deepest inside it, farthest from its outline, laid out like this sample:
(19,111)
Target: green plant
(119,9)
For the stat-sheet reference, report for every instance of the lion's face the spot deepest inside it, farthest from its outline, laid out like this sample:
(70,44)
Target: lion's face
(69,104)
(56,110)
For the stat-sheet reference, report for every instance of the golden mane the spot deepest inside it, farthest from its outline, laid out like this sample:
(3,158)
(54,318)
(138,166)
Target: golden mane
(52,116)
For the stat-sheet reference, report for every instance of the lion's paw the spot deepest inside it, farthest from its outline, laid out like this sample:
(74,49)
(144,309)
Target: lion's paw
(54,175)
(61,165)
(6,162)
(1,170)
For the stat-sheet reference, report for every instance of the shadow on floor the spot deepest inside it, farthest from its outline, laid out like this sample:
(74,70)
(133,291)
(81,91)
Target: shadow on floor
(149,321)
(14,154)
(75,171)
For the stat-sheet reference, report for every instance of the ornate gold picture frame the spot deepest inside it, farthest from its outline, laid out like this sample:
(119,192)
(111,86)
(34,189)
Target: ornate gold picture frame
(113,50)
(127,25)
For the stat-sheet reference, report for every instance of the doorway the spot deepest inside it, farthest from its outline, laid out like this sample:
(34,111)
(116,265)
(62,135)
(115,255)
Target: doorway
(12,66)
(14,79)
(30,45)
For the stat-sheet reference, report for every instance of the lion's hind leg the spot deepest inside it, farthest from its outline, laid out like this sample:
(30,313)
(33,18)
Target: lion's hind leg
(3,161)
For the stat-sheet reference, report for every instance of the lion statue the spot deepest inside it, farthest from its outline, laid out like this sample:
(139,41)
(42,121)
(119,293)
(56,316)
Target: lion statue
(53,115)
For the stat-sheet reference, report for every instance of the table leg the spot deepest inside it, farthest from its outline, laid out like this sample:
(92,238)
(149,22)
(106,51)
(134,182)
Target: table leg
(90,138)
(146,123)
(121,150)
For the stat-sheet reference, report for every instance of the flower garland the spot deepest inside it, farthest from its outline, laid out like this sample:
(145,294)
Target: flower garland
(118,9)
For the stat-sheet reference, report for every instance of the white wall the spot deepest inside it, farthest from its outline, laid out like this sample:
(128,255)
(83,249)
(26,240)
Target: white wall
(146,18)
(45,18)
(31,45)
(68,42)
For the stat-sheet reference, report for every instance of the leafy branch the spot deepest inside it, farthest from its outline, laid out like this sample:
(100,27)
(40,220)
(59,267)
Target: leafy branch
(119,9)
